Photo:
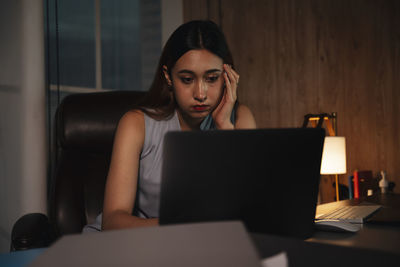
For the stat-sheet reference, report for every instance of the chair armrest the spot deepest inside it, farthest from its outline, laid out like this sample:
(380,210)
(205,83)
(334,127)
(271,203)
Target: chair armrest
(32,230)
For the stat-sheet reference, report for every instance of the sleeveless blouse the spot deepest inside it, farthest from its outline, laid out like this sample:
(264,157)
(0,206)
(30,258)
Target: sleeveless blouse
(149,178)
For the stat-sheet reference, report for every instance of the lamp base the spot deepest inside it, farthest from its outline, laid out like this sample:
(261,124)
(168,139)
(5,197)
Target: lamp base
(337,187)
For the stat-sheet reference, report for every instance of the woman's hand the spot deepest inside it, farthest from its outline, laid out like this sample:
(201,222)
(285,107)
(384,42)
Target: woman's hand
(222,113)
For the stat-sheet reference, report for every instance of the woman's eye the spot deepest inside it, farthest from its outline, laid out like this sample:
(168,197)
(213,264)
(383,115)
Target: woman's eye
(212,79)
(186,80)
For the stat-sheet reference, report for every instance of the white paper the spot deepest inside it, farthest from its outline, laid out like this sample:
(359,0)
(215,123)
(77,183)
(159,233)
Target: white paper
(278,260)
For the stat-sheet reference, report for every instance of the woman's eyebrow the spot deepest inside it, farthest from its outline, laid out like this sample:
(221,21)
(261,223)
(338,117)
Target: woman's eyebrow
(186,71)
(192,72)
(213,70)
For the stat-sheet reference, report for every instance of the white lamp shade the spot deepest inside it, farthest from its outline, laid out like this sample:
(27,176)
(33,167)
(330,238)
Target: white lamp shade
(334,155)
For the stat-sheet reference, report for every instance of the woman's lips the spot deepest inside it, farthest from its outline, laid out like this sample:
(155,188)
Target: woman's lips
(200,107)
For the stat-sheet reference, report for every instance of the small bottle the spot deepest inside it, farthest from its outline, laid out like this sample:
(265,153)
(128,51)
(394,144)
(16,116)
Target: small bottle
(370,192)
(383,183)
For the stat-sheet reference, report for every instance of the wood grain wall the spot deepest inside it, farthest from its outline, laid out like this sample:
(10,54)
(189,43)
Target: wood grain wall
(310,56)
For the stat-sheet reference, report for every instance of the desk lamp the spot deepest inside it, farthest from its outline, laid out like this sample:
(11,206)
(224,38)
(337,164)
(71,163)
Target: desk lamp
(334,152)
(334,158)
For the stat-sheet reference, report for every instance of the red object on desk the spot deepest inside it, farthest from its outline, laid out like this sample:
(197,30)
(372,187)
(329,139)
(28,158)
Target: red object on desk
(356,185)
(363,182)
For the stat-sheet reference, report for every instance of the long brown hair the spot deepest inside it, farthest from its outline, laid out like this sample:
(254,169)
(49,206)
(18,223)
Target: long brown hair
(159,102)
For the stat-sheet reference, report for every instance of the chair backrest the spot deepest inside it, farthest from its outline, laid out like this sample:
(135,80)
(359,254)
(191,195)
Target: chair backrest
(85,127)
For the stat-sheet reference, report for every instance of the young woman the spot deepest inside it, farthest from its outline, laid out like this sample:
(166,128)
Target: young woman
(195,88)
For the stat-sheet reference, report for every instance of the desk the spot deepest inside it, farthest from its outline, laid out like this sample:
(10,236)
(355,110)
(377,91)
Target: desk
(377,244)
(303,253)
(380,232)
(299,252)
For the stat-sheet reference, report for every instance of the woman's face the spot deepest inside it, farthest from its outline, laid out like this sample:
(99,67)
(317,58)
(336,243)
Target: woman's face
(197,80)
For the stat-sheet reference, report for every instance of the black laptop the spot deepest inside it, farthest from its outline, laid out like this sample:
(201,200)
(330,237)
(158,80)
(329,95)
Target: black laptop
(267,178)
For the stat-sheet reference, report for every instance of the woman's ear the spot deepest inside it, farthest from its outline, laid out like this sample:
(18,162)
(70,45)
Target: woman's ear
(166,75)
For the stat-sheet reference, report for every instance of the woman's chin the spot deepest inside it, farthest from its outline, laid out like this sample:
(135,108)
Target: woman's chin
(194,117)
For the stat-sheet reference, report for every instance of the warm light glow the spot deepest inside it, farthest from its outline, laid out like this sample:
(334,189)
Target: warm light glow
(334,155)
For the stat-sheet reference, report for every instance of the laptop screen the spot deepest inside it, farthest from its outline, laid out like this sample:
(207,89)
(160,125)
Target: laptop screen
(268,178)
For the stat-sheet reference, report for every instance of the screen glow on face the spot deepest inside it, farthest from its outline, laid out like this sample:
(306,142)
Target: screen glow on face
(198,81)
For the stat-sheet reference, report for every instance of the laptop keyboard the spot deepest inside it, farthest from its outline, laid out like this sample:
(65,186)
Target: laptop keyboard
(352,214)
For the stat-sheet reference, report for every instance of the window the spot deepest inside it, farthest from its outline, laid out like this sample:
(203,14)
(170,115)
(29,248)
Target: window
(98,45)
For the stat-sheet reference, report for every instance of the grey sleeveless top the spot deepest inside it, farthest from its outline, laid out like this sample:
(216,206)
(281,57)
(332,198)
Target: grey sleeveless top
(149,176)
(149,179)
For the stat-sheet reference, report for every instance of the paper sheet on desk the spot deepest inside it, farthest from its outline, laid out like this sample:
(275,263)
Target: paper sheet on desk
(278,260)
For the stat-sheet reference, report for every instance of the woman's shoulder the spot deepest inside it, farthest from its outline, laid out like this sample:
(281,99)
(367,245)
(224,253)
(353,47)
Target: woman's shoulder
(130,131)
(133,115)
(133,120)
(244,117)
(241,108)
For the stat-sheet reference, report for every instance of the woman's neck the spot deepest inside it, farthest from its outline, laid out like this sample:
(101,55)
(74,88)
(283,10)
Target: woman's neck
(186,123)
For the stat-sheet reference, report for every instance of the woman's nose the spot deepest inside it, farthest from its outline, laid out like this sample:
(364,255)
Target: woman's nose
(200,92)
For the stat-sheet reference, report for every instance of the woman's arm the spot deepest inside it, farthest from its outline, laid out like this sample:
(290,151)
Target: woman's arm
(121,185)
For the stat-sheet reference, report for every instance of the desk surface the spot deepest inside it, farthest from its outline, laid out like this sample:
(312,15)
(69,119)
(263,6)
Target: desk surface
(380,232)
(376,244)
(301,253)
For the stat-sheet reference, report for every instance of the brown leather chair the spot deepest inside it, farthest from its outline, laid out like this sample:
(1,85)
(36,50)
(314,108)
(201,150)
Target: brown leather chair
(84,133)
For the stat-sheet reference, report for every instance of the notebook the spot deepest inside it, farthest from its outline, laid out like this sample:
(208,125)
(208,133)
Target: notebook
(202,244)
(267,178)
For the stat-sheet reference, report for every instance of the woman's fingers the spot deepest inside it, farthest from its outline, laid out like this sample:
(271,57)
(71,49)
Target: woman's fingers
(228,84)
(231,81)
(232,74)
(223,111)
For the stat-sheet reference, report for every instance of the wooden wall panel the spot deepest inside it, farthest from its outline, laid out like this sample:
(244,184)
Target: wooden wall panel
(297,57)
(202,9)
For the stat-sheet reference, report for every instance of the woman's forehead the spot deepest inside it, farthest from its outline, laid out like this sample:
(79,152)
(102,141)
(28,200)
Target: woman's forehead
(199,60)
